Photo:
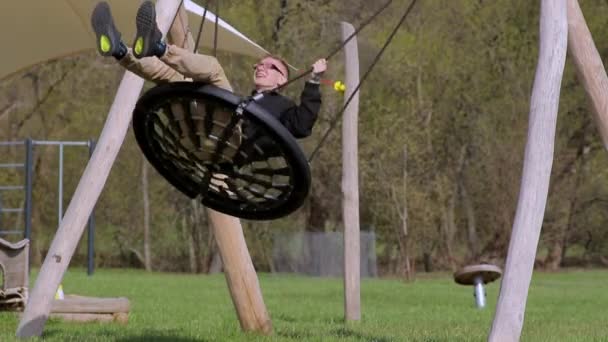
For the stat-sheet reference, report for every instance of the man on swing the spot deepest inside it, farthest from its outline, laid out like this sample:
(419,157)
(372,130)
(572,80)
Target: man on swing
(154,60)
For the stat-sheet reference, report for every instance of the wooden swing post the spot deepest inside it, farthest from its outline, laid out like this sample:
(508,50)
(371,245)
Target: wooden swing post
(240,274)
(87,192)
(538,159)
(350,181)
(589,66)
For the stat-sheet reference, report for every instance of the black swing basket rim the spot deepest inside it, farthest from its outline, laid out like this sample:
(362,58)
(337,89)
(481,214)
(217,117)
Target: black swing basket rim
(294,155)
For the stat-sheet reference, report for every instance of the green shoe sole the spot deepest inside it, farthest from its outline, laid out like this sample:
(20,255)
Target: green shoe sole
(108,37)
(148,35)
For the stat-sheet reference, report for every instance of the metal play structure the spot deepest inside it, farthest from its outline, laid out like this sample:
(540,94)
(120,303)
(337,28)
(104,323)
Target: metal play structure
(28,171)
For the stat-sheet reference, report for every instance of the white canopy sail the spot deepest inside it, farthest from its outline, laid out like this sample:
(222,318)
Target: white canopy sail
(34,31)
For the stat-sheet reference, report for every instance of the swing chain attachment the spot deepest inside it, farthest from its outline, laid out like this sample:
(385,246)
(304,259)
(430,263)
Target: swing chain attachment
(246,101)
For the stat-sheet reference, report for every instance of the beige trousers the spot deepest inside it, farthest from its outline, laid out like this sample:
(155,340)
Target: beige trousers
(178,65)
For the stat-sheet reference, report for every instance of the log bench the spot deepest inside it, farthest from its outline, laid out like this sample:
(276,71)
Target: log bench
(91,309)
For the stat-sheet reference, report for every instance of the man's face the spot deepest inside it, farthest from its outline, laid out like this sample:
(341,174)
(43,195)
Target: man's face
(269,73)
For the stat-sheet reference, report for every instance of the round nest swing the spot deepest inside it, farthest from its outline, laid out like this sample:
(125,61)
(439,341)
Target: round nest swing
(220,148)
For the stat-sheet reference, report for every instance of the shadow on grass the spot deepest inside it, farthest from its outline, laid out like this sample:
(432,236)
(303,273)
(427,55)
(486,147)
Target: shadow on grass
(294,335)
(348,333)
(148,336)
(159,338)
(285,318)
(345,332)
(339,333)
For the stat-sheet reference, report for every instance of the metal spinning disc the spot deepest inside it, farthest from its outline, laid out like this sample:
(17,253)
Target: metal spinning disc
(245,165)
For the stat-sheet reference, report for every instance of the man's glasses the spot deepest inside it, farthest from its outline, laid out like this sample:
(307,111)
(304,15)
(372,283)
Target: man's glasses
(270,66)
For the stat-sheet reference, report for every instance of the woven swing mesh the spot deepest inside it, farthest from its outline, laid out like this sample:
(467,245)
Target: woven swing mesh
(236,164)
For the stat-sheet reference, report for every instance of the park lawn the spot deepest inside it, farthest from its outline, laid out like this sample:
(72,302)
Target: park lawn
(565,306)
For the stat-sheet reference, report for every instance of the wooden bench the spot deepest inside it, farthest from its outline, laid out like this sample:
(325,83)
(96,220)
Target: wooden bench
(87,309)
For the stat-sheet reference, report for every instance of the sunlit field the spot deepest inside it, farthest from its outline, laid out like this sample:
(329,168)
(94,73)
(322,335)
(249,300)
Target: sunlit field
(566,306)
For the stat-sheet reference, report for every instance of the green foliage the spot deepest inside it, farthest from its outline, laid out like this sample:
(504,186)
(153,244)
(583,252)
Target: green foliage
(452,90)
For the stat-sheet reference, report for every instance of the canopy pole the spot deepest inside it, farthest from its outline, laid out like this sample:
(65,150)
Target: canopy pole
(589,66)
(240,274)
(538,160)
(89,188)
(350,180)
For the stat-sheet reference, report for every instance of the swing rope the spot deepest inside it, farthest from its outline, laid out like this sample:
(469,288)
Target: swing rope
(181,3)
(258,171)
(367,72)
(340,47)
(217,18)
(200,27)
(334,121)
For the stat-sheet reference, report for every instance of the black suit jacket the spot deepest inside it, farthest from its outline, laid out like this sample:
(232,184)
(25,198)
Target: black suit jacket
(298,119)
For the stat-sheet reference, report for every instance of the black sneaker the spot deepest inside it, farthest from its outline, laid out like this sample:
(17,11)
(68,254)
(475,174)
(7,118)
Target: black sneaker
(148,40)
(108,38)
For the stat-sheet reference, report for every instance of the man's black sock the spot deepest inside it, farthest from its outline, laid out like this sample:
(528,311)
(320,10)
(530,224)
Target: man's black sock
(160,49)
(121,51)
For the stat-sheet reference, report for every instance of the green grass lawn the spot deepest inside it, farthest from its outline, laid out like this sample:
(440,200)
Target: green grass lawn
(567,306)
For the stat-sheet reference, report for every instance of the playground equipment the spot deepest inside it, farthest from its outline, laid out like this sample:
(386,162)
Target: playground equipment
(478,276)
(245,165)
(14,257)
(14,264)
(559,19)
(28,167)
(87,309)
(350,178)
(562,26)
(240,273)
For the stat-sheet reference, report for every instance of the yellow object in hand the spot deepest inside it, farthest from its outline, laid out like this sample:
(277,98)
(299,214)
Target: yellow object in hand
(339,86)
